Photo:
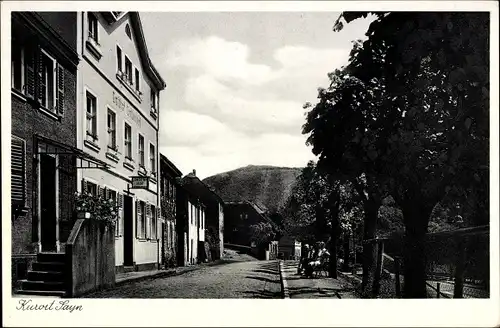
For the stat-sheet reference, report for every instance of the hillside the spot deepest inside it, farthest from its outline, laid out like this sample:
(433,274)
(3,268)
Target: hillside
(264,185)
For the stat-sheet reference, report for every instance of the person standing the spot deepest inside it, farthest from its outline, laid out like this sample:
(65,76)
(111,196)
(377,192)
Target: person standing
(304,256)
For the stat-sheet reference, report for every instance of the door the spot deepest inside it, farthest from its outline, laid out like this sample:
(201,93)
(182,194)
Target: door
(128,231)
(48,194)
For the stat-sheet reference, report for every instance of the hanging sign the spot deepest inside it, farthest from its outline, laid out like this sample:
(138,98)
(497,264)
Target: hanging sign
(140,182)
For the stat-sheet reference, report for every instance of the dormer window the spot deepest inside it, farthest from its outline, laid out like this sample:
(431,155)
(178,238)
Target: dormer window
(93,28)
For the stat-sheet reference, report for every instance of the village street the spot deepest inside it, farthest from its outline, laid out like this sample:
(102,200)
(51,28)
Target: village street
(251,279)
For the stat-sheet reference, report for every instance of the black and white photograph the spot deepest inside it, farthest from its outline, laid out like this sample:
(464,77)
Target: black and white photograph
(273,151)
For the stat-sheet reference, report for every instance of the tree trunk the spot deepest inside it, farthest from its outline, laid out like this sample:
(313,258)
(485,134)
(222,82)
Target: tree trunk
(345,266)
(414,264)
(369,249)
(416,217)
(332,270)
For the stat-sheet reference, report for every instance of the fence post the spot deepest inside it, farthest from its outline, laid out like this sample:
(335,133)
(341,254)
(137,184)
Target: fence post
(378,273)
(459,270)
(438,289)
(398,281)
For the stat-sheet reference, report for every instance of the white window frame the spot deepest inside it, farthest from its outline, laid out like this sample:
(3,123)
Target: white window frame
(95,135)
(118,70)
(153,172)
(137,79)
(22,87)
(119,214)
(54,87)
(91,37)
(110,146)
(127,143)
(142,157)
(130,80)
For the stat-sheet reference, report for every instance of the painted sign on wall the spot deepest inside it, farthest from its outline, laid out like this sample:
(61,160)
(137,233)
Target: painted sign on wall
(124,106)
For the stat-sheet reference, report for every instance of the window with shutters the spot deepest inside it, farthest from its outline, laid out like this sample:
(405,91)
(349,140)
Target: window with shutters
(47,81)
(18,168)
(111,130)
(113,196)
(128,141)
(90,187)
(141,219)
(91,115)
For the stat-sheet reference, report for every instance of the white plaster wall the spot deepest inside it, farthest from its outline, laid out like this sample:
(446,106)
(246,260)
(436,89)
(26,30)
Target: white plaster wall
(110,93)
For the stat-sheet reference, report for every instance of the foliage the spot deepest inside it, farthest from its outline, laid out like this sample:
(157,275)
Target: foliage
(262,232)
(410,113)
(100,209)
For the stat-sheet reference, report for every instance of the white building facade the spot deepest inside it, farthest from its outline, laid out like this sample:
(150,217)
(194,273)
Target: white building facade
(118,92)
(196,230)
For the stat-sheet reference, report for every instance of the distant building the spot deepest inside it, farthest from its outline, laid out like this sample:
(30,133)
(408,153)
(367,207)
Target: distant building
(214,213)
(118,121)
(190,226)
(169,184)
(238,217)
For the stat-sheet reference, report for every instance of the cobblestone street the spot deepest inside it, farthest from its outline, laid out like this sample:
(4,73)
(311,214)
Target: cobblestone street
(253,279)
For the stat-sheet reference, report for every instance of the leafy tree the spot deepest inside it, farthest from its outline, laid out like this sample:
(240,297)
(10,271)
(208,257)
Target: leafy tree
(410,114)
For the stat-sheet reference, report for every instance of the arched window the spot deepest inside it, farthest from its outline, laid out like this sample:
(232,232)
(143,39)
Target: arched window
(127,30)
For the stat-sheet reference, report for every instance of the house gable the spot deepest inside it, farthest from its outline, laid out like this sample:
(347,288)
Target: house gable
(121,19)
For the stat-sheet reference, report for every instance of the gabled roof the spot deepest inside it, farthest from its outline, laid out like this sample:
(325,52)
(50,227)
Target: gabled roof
(196,185)
(164,161)
(113,17)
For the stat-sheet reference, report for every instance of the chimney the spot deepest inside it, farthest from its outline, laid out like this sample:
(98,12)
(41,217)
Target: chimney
(194,172)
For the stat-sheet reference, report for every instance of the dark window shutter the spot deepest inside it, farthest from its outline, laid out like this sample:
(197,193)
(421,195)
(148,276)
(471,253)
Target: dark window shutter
(119,197)
(148,220)
(60,89)
(41,78)
(84,186)
(138,220)
(18,166)
(29,61)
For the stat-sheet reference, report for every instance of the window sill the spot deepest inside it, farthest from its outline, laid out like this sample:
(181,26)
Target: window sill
(49,113)
(142,171)
(118,237)
(123,80)
(153,179)
(19,95)
(128,166)
(93,48)
(112,156)
(92,145)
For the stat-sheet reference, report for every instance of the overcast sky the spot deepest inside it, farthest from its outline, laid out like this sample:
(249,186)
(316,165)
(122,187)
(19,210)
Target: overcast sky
(236,83)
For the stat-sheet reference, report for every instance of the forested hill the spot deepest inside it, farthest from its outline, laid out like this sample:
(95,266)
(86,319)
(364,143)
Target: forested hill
(267,186)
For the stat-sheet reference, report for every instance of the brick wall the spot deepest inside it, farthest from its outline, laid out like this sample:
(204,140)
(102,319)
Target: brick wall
(27,121)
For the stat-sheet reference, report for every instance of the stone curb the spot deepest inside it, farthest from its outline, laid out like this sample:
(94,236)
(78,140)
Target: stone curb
(284,285)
